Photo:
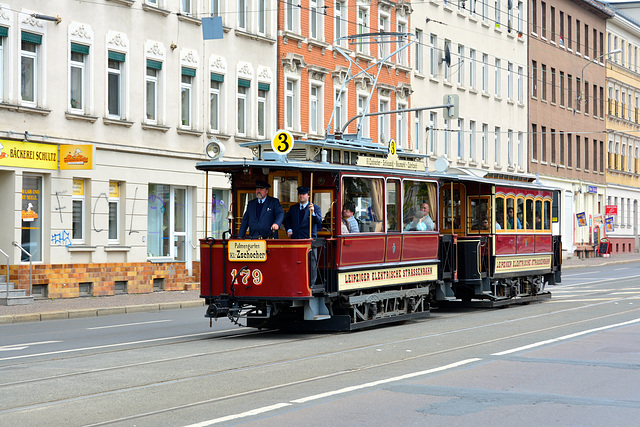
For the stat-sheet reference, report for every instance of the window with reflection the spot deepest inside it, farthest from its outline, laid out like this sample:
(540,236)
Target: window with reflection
(366,197)
(528,213)
(519,213)
(547,215)
(500,211)
(323,198)
(393,204)
(538,215)
(452,209)
(478,213)
(419,198)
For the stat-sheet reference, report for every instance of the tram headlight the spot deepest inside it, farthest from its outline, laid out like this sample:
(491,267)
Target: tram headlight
(215,149)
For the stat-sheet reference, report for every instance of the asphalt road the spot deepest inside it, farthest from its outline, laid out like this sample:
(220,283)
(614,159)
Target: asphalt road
(573,360)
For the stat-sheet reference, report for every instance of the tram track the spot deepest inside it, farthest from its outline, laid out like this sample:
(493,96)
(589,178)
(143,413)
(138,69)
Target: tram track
(258,366)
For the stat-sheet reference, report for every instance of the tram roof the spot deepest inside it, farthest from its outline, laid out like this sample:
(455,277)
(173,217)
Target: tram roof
(309,166)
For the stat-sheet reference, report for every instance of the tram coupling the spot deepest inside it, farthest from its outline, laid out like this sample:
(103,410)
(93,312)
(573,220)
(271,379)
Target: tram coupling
(219,308)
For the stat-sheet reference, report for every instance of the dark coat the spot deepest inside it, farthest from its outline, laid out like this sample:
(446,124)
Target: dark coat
(272,213)
(301,228)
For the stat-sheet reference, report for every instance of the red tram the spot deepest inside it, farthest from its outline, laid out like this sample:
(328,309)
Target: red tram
(422,239)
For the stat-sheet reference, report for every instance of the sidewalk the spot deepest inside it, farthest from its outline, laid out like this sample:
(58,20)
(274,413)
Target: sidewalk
(70,308)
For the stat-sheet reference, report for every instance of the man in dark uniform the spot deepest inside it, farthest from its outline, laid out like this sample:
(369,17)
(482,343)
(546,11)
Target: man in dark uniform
(263,215)
(297,225)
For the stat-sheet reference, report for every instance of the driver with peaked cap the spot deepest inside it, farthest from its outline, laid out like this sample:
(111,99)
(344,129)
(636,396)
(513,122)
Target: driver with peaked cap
(263,215)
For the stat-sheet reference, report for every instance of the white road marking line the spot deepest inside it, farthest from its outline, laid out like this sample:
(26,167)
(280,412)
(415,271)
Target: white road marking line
(13,347)
(128,324)
(97,347)
(578,274)
(565,337)
(332,393)
(624,268)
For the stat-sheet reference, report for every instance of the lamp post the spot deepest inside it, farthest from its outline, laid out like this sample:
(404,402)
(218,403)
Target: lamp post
(581,92)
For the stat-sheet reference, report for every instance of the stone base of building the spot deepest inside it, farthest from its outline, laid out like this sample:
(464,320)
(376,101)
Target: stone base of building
(620,245)
(76,280)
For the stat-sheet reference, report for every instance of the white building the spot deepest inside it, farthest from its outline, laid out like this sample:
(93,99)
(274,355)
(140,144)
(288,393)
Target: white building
(131,85)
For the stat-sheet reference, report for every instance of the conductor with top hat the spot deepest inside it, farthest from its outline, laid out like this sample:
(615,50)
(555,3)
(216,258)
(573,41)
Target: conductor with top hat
(263,215)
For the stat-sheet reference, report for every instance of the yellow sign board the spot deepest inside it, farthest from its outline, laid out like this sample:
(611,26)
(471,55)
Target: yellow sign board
(510,264)
(248,250)
(78,187)
(388,276)
(28,154)
(391,161)
(114,189)
(282,142)
(77,157)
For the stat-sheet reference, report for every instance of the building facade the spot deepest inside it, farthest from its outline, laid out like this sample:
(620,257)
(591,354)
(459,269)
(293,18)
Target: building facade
(101,124)
(567,99)
(477,50)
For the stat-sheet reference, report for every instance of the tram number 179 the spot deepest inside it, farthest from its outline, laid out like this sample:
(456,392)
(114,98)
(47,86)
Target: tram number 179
(244,276)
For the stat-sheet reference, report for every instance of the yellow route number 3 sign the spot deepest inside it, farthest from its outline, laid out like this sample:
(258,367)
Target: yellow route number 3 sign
(282,142)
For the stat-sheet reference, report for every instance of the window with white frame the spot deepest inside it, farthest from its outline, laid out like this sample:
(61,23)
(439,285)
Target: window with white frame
(485,73)
(498,78)
(460,134)
(521,85)
(215,101)
(510,147)
(362,28)
(484,143)
(496,8)
(402,126)
(77,217)
(314,109)
(4,32)
(520,17)
(341,20)
(433,51)
(168,221)
(520,147)
(78,77)
(433,132)
(472,69)
(510,81)
(242,14)
(401,57)
(485,9)
(447,66)
(291,104)
(187,6)
(152,2)
(497,137)
(419,53)
(115,79)
(291,16)
(472,140)
(364,122)
(262,17)
(417,130)
(243,106)
(29,76)
(152,79)
(384,122)
(460,65)
(215,7)
(186,95)
(114,212)
(447,137)
(383,27)
(316,22)
(263,93)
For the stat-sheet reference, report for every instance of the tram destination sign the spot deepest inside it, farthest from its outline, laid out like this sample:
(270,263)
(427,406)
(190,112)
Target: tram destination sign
(391,161)
(247,250)
(387,276)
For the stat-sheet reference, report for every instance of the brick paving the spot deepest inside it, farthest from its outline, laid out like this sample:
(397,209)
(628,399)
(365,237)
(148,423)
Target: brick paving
(66,308)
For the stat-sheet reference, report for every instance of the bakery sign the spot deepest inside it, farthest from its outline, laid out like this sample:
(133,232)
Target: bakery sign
(35,155)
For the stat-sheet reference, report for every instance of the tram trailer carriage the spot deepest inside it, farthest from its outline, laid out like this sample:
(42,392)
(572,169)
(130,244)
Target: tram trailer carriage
(387,272)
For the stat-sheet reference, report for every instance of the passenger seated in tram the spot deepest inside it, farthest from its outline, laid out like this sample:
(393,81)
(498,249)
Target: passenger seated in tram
(484,224)
(426,220)
(417,224)
(510,220)
(349,220)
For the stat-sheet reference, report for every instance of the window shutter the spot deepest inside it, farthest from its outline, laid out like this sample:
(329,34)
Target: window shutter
(155,65)
(79,48)
(191,72)
(31,38)
(244,83)
(217,78)
(116,56)
(263,86)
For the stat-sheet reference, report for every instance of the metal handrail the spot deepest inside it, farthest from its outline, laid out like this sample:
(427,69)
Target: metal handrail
(17,245)
(5,254)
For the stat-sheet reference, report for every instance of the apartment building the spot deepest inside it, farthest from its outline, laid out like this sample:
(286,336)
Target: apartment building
(105,108)
(567,127)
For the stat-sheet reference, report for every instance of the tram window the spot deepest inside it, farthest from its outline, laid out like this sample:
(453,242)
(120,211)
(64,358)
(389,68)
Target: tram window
(500,211)
(244,197)
(393,204)
(528,223)
(452,209)
(519,214)
(538,215)
(323,198)
(478,212)
(417,212)
(367,197)
(547,214)
(285,189)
